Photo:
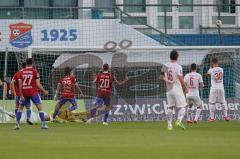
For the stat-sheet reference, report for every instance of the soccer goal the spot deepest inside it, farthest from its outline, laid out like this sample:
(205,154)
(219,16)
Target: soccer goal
(143,97)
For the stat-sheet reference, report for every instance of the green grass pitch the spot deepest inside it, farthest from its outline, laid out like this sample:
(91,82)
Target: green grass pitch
(129,140)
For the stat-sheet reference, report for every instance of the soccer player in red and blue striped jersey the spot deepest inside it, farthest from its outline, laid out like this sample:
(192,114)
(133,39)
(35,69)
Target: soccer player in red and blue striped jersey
(29,84)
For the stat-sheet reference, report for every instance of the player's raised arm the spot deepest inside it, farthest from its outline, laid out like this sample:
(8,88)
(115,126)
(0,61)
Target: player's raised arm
(162,74)
(95,79)
(209,71)
(201,83)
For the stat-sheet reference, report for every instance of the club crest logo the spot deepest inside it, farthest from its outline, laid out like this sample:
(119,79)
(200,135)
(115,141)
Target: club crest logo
(20,35)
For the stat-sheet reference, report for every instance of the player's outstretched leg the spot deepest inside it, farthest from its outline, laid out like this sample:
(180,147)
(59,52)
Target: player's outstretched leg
(180,117)
(169,117)
(197,115)
(74,106)
(92,115)
(56,111)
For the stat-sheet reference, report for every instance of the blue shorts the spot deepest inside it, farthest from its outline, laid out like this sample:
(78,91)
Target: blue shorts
(35,99)
(17,100)
(99,101)
(62,101)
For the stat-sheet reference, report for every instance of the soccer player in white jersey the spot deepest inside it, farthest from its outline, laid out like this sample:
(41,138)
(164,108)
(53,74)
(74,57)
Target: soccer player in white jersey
(171,73)
(217,93)
(193,80)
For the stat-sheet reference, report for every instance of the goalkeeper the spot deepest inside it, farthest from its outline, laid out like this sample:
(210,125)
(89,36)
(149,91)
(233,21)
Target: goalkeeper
(64,115)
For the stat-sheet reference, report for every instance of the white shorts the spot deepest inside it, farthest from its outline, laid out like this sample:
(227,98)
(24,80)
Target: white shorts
(194,100)
(217,95)
(175,97)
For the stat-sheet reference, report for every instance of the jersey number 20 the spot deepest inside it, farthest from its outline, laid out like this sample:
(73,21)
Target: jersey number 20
(104,83)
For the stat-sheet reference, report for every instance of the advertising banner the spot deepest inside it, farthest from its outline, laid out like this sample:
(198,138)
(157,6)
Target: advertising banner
(20,34)
(143,110)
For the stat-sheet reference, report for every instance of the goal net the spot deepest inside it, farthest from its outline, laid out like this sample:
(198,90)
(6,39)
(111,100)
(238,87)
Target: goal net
(143,97)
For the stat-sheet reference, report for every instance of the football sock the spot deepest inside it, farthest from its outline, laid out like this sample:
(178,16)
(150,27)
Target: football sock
(189,114)
(224,109)
(93,112)
(212,110)
(181,114)
(198,112)
(169,116)
(16,110)
(19,116)
(74,107)
(55,113)
(28,113)
(106,116)
(41,115)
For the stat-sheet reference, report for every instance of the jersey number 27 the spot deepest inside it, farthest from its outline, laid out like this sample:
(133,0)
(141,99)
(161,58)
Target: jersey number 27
(27,79)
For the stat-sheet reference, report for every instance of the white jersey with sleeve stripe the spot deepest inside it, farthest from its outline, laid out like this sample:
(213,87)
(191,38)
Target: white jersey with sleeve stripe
(192,81)
(171,71)
(216,74)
